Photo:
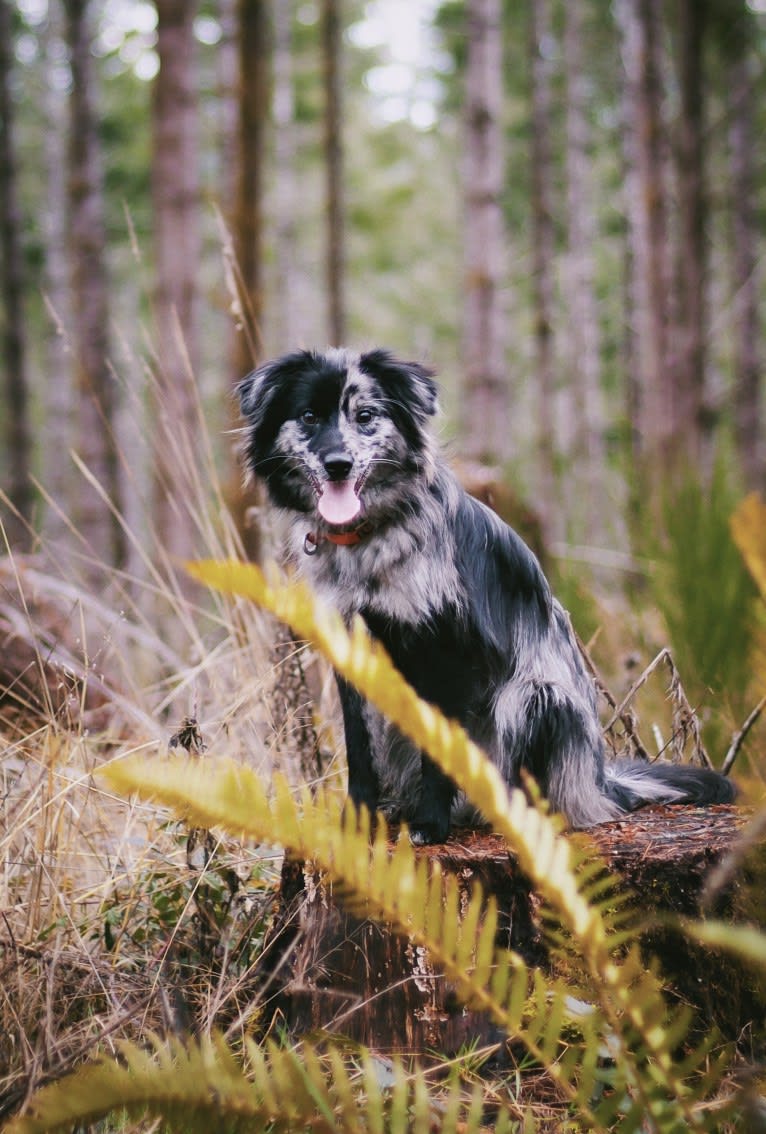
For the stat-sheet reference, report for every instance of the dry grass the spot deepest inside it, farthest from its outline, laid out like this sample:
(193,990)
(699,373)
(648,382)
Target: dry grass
(107,927)
(114,920)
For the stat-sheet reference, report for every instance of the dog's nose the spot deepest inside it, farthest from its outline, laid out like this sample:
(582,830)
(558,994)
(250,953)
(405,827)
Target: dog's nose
(337,465)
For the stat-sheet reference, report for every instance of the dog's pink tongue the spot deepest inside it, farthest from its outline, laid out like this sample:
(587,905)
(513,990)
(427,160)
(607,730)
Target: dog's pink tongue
(339,503)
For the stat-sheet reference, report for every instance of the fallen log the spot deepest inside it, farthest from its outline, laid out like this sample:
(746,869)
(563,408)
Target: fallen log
(338,972)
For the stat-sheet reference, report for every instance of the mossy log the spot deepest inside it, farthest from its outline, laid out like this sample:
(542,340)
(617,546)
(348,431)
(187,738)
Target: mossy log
(335,971)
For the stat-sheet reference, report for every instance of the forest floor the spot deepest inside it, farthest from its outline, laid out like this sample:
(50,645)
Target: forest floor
(116,921)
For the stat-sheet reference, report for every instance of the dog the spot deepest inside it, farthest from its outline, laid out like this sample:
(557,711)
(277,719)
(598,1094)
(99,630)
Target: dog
(380,527)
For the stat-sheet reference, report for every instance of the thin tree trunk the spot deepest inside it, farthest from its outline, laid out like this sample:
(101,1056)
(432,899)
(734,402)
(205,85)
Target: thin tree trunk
(333,145)
(485,395)
(227,65)
(286,203)
(645,204)
(58,425)
(692,417)
(95,385)
(248,227)
(543,267)
(748,400)
(175,197)
(18,436)
(584,334)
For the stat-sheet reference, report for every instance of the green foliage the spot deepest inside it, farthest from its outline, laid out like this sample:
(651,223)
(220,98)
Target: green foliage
(615,1052)
(186,915)
(573,593)
(703,591)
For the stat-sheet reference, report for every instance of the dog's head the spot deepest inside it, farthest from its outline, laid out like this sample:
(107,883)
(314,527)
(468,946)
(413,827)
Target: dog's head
(338,432)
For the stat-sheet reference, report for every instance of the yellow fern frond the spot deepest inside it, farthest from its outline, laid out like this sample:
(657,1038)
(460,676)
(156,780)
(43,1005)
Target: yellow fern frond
(748,529)
(629,1008)
(533,836)
(199,1086)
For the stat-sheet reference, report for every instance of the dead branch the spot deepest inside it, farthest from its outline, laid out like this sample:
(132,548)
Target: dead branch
(738,739)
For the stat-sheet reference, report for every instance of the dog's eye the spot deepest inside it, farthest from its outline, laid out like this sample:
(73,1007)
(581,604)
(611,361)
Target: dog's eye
(364,416)
(308,417)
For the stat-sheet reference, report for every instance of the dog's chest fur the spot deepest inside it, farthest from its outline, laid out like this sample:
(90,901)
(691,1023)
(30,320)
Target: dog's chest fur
(404,572)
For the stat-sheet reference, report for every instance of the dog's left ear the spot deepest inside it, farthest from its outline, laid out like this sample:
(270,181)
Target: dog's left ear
(256,391)
(410,382)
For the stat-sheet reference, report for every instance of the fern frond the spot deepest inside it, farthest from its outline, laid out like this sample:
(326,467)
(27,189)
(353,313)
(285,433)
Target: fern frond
(533,836)
(744,941)
(748,529)
(199,1086)
(406,892)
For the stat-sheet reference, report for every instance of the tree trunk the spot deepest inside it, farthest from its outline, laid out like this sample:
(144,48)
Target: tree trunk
(692,417)
(95,385)
(645,206)
(18,436)
(584,333)
(333,145)
(175,199)
(248,227)
(58,424)
(543,267)
(227,65)
(485,394)
(286,203)
(748,400)
(340,972)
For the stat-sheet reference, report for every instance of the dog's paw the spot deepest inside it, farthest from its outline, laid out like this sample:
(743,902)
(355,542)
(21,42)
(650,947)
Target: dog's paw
(427,833)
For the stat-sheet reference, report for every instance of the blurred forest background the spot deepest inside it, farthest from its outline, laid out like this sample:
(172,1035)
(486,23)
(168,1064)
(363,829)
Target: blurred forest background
(560,206)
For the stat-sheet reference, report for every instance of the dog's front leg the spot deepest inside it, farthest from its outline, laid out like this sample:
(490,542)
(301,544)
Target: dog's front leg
(362,778)
(431,821)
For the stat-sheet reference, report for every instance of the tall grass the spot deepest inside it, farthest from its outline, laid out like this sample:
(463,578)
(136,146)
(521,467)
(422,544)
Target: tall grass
(108,924)
(706,597)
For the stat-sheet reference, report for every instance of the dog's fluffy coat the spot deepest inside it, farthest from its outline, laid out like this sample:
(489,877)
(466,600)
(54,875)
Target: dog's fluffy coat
(380,527)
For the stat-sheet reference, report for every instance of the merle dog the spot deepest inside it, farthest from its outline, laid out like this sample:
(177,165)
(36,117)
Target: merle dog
(380,527)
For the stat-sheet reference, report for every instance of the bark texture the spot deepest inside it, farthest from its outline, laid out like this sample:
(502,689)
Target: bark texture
(254,47)
(333,144)
(650,407)
(486,394)
(342,972)
(17,433)
(693,418)
(543,259)
(94,381)
(175,199)
(583,330)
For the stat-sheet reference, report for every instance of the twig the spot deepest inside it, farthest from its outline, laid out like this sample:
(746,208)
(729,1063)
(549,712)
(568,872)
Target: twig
(689,725)
(640,681)
(626,718)
(739,737)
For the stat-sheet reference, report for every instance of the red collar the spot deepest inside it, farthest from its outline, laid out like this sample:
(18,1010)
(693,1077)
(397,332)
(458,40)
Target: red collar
(340,539)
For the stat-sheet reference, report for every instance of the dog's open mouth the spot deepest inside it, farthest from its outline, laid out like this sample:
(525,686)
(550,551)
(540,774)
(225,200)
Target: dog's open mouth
(339,502)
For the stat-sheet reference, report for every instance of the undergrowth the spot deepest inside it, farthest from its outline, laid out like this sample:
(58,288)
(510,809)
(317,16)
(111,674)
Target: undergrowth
(130,942)
(614,1052)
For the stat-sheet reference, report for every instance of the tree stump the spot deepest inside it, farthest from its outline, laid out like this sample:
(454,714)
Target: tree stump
(337,972)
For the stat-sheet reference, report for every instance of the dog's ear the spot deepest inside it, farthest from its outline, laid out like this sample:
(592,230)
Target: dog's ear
(256,391)
(410,382)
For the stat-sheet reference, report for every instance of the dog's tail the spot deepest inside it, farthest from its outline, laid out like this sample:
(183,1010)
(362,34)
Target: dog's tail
(632,784)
